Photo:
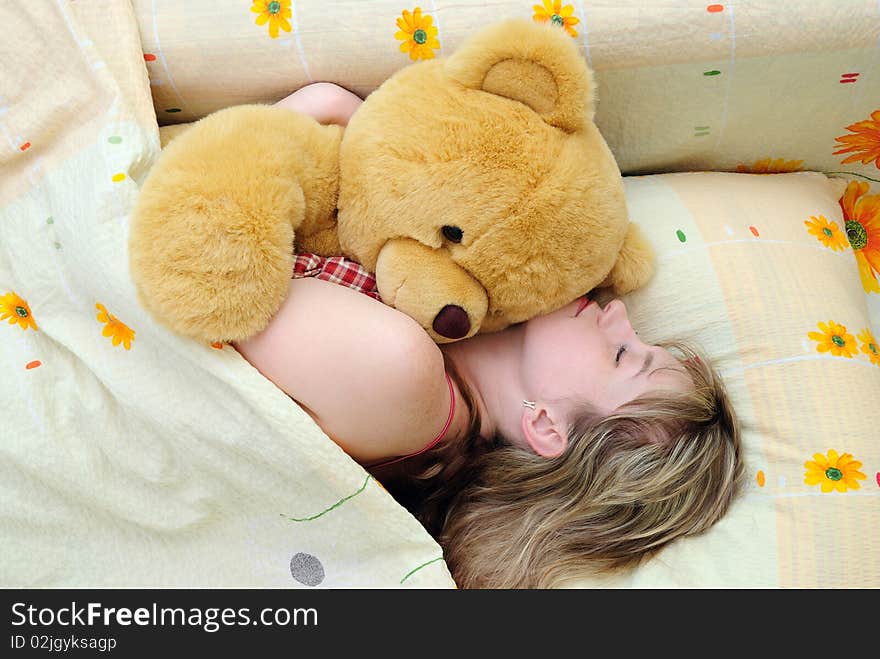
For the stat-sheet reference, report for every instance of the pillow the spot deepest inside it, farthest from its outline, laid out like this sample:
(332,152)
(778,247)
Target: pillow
(747,270)
(681,86)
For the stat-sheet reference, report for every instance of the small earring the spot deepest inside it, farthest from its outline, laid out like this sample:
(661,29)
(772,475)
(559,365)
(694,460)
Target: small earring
(529,403)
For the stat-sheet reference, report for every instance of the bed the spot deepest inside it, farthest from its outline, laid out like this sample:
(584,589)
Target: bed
(748,137)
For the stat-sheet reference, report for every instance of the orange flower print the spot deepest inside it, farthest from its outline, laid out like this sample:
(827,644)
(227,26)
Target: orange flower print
(275,13)
(833,472)
(115,328)
(864,144)
(555,13)
(418,34)
(771,166)
(17,311)
(861,214)
(870,346)
(834,339)
(827,233)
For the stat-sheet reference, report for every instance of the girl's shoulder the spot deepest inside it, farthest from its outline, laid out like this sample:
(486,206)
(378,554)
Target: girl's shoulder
(369,375)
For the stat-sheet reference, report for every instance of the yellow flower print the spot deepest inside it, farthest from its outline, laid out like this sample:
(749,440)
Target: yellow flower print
(418,34)
(771,166)
(17,311)
(555,13)
(835,339)
(865,143)
(834,472)
(828,233)
(870,346)
(861,214)
(115,328)
(275,13)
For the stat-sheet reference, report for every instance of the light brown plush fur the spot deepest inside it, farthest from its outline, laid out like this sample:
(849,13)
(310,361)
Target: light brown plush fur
(497,140)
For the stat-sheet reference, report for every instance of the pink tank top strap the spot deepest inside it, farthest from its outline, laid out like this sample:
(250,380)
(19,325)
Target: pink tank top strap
(434,441)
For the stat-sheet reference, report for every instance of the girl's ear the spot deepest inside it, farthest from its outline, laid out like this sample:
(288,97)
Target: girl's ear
(545,437)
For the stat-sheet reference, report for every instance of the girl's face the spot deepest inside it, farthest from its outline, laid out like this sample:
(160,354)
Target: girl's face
(584,352)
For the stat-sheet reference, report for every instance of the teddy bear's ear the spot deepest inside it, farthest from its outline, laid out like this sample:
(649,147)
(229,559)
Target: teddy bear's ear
(533,63)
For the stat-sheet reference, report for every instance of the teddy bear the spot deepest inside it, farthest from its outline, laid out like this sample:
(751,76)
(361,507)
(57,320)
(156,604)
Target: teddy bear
(475,186)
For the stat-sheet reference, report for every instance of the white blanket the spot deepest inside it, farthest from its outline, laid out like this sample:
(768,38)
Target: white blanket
(131,457)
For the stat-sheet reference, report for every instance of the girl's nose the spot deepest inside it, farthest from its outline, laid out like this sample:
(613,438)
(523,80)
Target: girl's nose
(616,320)
(614,314)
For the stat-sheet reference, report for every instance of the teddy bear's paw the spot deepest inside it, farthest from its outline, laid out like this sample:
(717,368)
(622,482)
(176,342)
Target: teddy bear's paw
(211,265)
(213,286)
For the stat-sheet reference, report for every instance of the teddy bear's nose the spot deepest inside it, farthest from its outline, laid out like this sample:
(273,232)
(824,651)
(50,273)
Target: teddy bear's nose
(452,322)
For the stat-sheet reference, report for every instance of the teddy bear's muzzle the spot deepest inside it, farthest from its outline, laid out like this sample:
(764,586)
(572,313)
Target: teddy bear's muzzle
(427,285)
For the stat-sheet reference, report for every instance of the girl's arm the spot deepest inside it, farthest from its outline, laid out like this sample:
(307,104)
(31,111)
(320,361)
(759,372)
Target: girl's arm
(369,375)
(326,102)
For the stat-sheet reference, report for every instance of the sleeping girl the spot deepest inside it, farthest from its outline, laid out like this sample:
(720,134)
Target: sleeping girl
(557,446)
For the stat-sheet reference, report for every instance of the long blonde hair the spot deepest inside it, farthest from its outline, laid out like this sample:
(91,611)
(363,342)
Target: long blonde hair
(661,467)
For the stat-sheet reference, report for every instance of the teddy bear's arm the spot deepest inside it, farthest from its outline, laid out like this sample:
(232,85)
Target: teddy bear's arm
(221,212)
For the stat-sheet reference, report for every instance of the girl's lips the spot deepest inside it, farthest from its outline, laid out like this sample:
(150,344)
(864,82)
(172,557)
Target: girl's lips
(583,304)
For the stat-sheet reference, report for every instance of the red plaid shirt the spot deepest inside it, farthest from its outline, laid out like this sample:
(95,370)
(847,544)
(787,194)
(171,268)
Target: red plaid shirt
(336,269)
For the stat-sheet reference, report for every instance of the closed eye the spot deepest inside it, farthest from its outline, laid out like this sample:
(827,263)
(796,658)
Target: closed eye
(649,359)
(620,351)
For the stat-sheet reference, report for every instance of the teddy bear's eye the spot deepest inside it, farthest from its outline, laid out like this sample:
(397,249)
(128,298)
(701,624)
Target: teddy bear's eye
(453,234)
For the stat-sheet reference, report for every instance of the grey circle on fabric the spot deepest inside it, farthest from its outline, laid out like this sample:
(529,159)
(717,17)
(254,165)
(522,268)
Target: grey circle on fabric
(306,569)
